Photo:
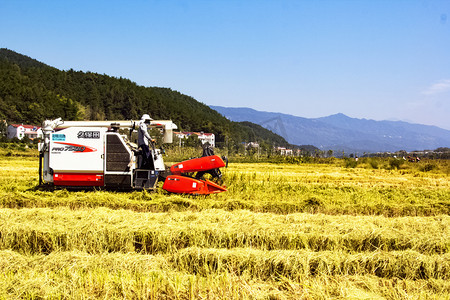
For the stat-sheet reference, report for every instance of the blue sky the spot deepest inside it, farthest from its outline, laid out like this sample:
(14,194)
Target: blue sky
(382,60)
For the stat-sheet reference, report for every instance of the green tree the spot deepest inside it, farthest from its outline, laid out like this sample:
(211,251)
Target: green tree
(3,128)
(192,141)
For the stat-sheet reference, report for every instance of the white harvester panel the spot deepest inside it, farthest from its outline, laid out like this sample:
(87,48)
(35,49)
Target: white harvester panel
(94,154)
(77,150)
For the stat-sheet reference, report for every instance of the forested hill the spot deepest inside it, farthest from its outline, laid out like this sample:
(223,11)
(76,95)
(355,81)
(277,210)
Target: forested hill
(31,91)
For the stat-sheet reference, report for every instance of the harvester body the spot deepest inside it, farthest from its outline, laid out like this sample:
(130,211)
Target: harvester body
(81,154)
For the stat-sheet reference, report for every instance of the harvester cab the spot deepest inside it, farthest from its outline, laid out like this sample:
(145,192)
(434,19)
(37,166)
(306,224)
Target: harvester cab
(82,154)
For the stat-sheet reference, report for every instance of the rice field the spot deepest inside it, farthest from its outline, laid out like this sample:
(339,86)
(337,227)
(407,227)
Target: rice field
(282,231)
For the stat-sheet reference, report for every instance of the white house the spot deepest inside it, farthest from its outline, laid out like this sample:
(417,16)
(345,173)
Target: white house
(20,131)
(207,138)
(284,151)
(251,145)
(202,136)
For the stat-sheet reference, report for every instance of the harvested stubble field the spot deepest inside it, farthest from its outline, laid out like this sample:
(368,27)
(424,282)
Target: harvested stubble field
(282,231)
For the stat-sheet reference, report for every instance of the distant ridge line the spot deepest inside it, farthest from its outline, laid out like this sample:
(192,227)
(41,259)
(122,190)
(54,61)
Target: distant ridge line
(339,132)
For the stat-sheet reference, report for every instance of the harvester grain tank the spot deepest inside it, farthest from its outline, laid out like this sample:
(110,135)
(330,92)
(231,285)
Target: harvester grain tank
(80,154)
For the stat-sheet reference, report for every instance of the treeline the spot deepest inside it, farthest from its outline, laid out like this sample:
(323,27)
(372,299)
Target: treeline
(31,92)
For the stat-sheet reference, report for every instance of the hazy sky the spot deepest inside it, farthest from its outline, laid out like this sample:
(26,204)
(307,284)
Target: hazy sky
(367,59)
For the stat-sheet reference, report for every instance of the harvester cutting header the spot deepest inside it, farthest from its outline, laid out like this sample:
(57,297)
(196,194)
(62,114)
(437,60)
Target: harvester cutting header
(80,154)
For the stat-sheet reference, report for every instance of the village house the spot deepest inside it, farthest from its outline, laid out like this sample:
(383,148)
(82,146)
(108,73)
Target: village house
(202,136)
(20,131)
(251,145)
(285,151)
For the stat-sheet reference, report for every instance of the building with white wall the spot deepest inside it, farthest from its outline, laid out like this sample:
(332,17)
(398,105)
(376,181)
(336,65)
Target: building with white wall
(20,131)
(202,136)
(285,151)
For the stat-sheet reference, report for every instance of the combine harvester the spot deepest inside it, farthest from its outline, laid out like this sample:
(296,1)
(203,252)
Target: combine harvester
(83,154)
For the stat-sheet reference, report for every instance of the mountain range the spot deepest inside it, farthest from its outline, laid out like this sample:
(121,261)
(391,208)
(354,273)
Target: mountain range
(342,133)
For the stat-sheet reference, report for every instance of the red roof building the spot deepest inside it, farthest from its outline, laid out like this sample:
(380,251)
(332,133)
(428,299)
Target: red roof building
(20,131)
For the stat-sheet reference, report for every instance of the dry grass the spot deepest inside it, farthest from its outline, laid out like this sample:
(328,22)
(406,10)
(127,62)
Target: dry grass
(282,231)
(44,230)
(232,275)
(281,189)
